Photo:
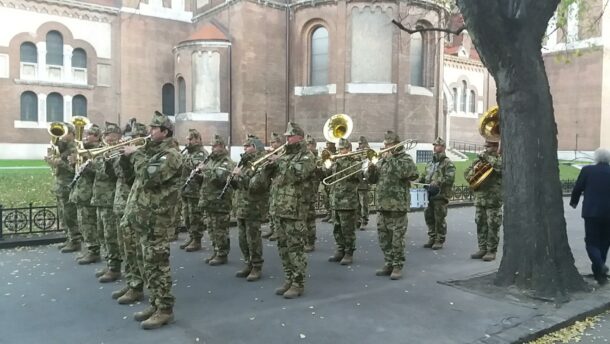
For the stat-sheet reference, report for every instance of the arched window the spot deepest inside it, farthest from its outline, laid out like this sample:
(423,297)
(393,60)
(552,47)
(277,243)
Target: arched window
(55,48)
(167,99)
(464,96)
(455,99)
(181,95)
(473,101)
(29,106)
(55,107)
(79,58)
(416,59)
(28,53)
(318,61)
(79,105)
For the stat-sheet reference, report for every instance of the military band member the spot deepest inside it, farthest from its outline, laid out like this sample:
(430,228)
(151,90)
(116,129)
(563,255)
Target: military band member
(193,216)
(363,190)
(440,174)
(344,198)
(64,174)
(81,195)
(276,142)
(488,202)
(154,194)
(290,173)
(326,199)
(312,188)
(214,176)
(251,191)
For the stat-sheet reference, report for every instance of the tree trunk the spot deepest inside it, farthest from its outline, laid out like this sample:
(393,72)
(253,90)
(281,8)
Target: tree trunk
(508,36)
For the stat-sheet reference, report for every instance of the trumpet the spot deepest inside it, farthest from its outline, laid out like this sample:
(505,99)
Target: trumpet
(262,161)
(111,152)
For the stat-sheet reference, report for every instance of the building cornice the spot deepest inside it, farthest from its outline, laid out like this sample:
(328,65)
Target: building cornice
(463,61)
(64,8)
(81,5)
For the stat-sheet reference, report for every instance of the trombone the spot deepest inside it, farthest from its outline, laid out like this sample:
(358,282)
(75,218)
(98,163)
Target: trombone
(262,161)
(113,151)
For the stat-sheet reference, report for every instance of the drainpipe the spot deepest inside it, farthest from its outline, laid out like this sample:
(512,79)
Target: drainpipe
(230,95)
(288,41)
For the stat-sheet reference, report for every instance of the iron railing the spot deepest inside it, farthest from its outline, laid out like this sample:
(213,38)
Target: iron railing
(466,147)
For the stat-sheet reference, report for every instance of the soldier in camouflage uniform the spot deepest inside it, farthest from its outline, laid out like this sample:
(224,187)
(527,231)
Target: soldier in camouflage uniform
(290,174)
(326,198)
(440,174)
(193,216)
(128,241)
(154,193)
(393,175)
(488,202)
(251,191)
(312,188)
(217,210)
(344,196)
(64,174)
(81,195)
(363,190)
(104,186)
(276,142)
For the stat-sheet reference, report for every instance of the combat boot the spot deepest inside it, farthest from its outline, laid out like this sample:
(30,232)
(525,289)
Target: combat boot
(159,318)
(210,258)
(386,270)
(396,273)
(429,244)
(99,273)
(72,246)
(89,258)
(185,243)
(109,276)
(336,257)
(489,256)
(293,292)
(309,248)
(131,296)
(254,275)
(273,237)
(478,255)
(243,273)
(145,314)
(281,290)
(118,293)
(195,245)
(219,260)
(347,259)
(437,245)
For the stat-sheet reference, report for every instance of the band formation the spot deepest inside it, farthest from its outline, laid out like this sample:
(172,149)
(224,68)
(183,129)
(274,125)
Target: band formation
(118,191)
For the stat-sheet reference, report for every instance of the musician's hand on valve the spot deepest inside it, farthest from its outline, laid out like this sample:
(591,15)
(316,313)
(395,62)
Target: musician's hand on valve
(128,150)
(273,158)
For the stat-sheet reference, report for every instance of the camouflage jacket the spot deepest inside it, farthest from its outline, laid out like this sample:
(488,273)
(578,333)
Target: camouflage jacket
(344,194)
(251,190)
(489,193)
(123,183)
(214,178)
(441,171)
(313,183)
(104,183)
(393,175)
(82,190)
(190,159)
(364,183)
(157,176)
(290,174)
(64,171)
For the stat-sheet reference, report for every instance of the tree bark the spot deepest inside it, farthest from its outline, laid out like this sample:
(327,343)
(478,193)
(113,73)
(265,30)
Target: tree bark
(508,36)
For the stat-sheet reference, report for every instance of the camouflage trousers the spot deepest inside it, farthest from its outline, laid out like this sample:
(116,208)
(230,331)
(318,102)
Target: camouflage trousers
(250,241)
(107,226)
(218,227)
(129,243)
(392,228)
(488,220)
(87,222)
(435,215)
(194,218)
(326,198)
(344,230)
(291,247)
(363,205)
(177,220)
(311,224)
(66,213)
(152,251)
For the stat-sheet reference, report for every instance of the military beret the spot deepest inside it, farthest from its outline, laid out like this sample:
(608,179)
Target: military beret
(344,143)
(70,127)
(139,129)
(310,139)
(194,134)
(217,140)
(250,140)
(439,142)
(253,140)
(112,128)
(294,129)
(275,137)
(94,129)
(161,120)
(391,137)
(363,141)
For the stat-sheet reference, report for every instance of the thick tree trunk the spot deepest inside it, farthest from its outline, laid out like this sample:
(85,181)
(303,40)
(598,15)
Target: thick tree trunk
(508,36)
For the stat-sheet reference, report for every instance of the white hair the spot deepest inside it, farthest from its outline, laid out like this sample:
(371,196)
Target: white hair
(601,155)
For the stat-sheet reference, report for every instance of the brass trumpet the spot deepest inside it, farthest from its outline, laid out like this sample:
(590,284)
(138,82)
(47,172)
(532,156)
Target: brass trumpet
(113,151)
(262,161)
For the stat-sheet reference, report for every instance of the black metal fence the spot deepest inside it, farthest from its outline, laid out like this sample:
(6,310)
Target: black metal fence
(466,147)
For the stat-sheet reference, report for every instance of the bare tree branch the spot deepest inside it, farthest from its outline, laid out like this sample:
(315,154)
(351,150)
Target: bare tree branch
(456,32)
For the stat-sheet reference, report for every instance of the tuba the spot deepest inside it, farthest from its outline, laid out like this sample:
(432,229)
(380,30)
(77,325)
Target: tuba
(338,127)
(489,128)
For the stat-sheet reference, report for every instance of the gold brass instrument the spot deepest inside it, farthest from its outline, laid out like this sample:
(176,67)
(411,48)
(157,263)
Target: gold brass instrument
(56,130)
(489,128)
(79,122)
(337,127)
(262,161)
(110,152)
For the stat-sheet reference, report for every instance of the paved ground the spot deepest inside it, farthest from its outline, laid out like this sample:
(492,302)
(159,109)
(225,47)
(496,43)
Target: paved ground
(46,297)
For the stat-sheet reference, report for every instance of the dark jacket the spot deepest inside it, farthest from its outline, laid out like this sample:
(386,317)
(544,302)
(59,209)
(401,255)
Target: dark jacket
(594,181)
